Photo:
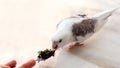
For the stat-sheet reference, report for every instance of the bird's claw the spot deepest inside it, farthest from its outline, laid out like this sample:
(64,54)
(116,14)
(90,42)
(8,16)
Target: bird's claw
(75,44)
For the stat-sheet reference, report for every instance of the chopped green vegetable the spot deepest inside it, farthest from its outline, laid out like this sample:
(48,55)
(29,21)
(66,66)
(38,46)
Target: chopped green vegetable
(45,54)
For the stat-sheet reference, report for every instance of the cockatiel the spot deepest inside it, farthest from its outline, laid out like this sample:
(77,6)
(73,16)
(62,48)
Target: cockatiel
(78,28)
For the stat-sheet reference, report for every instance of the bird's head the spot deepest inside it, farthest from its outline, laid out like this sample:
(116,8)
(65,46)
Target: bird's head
(59,39)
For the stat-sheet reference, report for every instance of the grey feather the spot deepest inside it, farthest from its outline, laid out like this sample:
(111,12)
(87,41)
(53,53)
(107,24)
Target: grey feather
(84,27)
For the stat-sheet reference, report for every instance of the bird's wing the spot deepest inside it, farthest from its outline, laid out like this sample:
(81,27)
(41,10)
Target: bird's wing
(83,28)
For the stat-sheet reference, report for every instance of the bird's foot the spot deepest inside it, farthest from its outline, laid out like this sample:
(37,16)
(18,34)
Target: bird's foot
(75,44)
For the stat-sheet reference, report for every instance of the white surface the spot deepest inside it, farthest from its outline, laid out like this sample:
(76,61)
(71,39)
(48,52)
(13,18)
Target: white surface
(27,25)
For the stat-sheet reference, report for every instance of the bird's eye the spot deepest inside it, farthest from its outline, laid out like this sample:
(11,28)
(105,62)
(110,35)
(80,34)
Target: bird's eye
(60,40)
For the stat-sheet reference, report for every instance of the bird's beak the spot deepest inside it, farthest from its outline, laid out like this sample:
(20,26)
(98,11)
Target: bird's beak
(54,45)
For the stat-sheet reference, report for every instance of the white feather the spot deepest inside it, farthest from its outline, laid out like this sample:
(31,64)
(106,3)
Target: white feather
(103,17)
(64,28)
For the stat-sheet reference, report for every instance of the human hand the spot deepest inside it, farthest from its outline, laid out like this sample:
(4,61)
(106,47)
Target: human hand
(13,63)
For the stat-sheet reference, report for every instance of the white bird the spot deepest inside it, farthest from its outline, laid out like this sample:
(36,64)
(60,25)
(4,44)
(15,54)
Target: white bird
(78,28)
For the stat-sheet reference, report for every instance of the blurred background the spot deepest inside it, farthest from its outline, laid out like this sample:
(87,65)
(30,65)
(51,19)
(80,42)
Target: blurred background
(26,27)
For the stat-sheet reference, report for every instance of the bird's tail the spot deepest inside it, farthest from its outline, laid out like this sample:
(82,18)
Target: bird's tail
(105,14)
(102,17)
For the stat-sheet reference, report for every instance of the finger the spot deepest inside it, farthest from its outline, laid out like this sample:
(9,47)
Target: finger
(28,64)
(11,63)
(4,66)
